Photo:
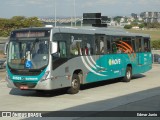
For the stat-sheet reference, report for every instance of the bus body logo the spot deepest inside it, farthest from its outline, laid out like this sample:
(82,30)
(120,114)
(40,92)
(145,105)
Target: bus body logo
(23,78)
(17,78)
(126,48)
(114,61)
(28,64)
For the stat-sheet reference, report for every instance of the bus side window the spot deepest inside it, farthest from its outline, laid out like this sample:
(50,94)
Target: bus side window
(139,45)
(133,44)
(114,47)
(127,45)
(62,49)
(86,49)
(75,44)
(114,43)
(99,44)
(87,45)
(90,44)
(146,45)
(102,45)
(108,46)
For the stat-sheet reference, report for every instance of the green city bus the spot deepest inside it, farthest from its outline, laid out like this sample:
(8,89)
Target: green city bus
(49,58)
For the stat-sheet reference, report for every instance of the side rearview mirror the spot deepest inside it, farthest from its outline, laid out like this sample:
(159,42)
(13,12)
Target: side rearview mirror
(54,47)
(5,48)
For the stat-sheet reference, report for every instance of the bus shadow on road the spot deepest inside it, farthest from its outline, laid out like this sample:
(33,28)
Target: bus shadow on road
(62,91)
(31,93)
(108,82)
(99,84)
(138,76)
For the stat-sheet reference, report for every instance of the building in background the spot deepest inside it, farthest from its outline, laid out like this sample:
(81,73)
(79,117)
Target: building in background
(133,15)
(150,17)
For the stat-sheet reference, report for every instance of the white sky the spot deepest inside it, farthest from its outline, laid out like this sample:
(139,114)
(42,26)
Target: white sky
(10,8)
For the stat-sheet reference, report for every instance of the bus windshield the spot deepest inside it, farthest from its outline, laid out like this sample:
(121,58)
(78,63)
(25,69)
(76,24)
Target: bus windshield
(28,53)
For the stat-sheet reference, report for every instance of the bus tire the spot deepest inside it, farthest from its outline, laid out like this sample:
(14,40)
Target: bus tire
(128,74)
(75,85)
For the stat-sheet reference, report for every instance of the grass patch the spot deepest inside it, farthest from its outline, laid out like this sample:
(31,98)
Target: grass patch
(155,34)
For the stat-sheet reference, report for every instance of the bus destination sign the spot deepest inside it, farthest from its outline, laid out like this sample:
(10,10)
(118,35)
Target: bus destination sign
(30,34)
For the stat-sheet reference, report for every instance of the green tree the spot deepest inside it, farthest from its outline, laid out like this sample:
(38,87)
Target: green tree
(134,23)
(128,26)
(32,22)
(117,18)
(141,25)
(155,44)
(18,18)
(152,25)
(16,22)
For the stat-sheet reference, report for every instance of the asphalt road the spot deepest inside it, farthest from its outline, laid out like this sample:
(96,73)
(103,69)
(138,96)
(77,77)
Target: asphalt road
(104,96)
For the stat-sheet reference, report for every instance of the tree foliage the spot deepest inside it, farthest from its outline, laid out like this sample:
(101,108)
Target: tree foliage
(117,18)
(152,25)
(141,25)
(155,44)
(16,22)
(128,26)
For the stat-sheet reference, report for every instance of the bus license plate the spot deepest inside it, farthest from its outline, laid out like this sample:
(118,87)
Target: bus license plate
(23,87)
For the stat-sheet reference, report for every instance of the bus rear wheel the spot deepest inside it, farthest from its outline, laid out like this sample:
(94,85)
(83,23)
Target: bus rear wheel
(128,75)
(75,85)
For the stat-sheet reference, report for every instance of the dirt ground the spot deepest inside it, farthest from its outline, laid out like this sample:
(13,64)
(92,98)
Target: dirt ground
(2,71)
(2,75)
(2,56)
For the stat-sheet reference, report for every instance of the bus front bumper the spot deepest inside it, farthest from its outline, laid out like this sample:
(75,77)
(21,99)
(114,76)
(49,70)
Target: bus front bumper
(40,85)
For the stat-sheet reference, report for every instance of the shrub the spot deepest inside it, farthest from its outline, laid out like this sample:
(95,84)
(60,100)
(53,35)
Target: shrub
(155,44)
(128,26)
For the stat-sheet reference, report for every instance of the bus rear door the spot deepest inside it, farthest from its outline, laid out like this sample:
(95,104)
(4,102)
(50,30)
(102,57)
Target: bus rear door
(139,50)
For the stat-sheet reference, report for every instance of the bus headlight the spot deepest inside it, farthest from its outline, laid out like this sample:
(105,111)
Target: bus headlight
(45,76)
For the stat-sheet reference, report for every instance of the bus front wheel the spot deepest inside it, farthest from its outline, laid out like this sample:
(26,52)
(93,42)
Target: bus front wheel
(128,74)
(75,85)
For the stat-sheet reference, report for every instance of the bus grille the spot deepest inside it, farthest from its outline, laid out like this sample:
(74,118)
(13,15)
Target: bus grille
(25,73)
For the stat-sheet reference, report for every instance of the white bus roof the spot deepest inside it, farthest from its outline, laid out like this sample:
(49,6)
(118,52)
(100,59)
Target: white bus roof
(89,30)
(95,30)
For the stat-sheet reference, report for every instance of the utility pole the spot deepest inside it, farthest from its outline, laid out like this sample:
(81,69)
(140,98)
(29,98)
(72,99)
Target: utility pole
(55,14)
(71,19)
(75,12)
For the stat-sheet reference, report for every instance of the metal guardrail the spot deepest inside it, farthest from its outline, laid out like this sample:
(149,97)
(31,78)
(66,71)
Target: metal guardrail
(156,56)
